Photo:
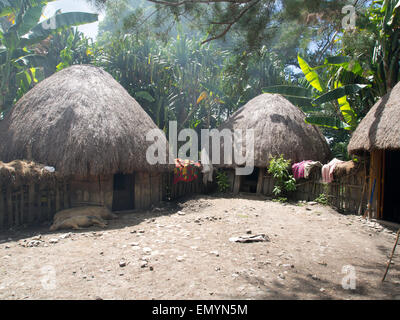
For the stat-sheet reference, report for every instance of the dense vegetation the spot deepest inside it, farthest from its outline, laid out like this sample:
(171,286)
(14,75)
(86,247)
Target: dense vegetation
(197,63)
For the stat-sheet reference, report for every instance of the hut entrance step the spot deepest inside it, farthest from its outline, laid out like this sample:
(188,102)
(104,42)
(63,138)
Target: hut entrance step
(391,200)
(249,183)
(124,191)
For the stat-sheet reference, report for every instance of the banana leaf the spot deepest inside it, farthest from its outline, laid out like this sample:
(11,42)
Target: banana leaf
(310,74)
(339,92)
(327,122)
(42,30)
(295,91)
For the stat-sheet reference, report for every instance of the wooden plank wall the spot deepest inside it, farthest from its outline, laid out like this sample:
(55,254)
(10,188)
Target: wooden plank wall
(148,189)
(92,190)
(26,204)
(182,189)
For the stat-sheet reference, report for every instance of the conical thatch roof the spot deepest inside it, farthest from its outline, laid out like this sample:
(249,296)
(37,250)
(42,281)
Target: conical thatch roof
(380,129)
(81,121)
(279,128)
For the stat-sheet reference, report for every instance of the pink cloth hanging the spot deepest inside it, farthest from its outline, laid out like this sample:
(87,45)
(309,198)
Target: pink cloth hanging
(327,170)
(298,169)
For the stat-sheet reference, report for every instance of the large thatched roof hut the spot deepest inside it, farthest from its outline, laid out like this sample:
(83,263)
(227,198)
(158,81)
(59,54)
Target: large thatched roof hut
(279,128)
(84,123)
(378,136)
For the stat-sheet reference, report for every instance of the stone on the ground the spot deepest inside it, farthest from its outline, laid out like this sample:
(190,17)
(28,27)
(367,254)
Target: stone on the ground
(147,250)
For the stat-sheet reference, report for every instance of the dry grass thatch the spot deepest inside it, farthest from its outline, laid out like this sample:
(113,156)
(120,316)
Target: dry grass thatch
(380,128)
(81,121)
(23,172)
(345,168)
(280,128)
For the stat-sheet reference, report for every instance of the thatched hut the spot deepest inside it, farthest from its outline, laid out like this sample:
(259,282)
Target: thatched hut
(84,123)
(279,128)
(378,136)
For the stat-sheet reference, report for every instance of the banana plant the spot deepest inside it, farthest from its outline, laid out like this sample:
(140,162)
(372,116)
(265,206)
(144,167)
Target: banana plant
(384,15)
(20,31)
(318,99)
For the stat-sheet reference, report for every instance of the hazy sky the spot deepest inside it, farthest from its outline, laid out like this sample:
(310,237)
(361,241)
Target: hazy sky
(75,5)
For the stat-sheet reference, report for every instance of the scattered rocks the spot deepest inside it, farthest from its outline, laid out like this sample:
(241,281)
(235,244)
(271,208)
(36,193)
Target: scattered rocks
(53,240)
(180,258)
(147,250)
(143,264)
(33,243)
(65,235)
(216,253)
(122,263)
(315,277)
(281,276)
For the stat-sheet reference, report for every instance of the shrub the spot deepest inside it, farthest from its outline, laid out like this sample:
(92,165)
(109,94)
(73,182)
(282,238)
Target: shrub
(222,182)
(284,182)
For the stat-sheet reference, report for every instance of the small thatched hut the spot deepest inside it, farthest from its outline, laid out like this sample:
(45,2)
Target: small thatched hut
(279,128)
(378,135)
(83,122)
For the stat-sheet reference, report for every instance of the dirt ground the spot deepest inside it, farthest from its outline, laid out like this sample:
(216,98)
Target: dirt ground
(183,251)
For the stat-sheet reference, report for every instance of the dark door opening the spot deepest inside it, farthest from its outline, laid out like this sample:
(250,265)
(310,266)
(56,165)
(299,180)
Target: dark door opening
(124,192)
(391,204)
(249,183)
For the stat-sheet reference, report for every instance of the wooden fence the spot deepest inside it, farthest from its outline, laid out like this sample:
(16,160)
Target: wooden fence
(36,202)
(28,204)
(180,189)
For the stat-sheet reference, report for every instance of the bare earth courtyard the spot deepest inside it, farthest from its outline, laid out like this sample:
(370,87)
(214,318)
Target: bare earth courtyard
(184,252)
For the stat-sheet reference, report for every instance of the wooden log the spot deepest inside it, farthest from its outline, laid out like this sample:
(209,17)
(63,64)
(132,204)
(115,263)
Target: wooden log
(31,197)
(236,184)
(155,188)
(260,180)
(2,208)
(10,213)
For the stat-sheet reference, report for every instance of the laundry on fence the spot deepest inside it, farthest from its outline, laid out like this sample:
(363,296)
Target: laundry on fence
(309,166)
(186,170)
(299,168)
(328,169)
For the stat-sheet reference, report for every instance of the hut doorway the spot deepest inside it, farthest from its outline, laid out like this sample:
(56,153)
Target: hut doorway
(391,203)
(124,192)
(249,183)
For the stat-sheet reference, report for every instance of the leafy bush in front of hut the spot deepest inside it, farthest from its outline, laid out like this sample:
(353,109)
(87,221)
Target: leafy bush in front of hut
(284,182)
(222,182)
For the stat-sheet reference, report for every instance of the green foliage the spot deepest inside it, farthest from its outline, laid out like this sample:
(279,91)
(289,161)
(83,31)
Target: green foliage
(318,99)
(222,182)
(197,85)
(322,199)
(280,200)
(20,31)
(284,182)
